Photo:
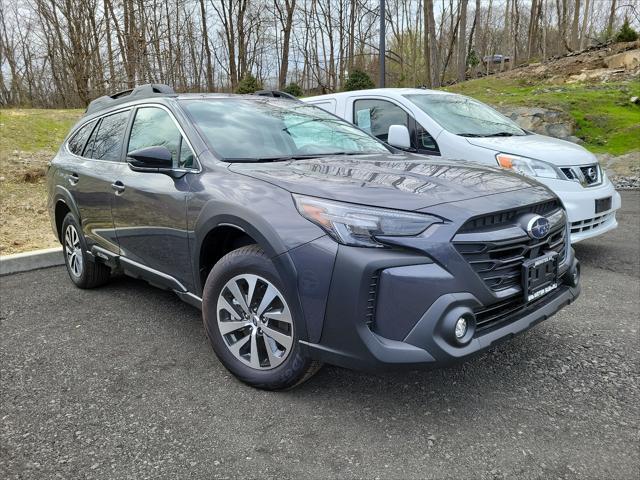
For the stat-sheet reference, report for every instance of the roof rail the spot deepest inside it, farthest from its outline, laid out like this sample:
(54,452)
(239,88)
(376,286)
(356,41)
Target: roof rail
(275,93)
(141,91)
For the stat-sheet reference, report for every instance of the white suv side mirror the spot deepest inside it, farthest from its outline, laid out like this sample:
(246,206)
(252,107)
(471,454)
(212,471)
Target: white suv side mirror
(399,136)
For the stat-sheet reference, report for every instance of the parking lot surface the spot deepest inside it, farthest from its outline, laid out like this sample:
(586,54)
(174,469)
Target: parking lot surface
(120,382)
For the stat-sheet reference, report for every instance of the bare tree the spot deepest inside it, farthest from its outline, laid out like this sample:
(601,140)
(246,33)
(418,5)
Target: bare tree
(462,36)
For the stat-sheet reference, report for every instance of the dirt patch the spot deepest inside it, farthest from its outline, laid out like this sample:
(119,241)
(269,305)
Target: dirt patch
(575,66)
(24,220)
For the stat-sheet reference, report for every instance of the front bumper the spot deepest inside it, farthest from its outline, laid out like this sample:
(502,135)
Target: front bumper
(414,299)
(579,203)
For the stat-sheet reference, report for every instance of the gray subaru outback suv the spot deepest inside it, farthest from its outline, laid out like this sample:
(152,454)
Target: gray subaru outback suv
(303,239)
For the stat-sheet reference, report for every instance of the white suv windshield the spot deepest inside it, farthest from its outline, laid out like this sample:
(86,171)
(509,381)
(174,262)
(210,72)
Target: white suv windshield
(464,116)
(241,129)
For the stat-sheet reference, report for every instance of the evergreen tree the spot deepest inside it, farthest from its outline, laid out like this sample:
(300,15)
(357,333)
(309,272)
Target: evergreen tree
(358,80)
(248,84)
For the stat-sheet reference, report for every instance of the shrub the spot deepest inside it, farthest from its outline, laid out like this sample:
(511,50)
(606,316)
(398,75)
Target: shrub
(294,89)
(248,84)
(358,80)
(472,60)
(626,33)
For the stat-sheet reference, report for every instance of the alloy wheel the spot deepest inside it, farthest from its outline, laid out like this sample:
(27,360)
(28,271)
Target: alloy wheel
(255,321)
(73,251)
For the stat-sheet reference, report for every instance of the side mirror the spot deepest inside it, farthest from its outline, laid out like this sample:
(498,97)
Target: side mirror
(150,159)
(399,136)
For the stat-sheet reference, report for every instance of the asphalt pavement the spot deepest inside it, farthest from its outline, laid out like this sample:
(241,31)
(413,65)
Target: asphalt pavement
(120,382)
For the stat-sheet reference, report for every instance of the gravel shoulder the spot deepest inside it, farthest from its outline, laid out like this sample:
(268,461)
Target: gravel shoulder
(120,382)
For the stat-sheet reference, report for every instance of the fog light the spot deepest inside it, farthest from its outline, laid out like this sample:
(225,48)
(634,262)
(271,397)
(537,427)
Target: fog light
(461,328)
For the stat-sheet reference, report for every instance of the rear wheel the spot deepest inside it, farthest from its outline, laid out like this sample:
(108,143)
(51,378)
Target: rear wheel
(83,272)
(250,324)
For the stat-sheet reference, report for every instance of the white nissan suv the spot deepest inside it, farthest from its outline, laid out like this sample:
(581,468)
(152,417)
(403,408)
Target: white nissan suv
(454,126)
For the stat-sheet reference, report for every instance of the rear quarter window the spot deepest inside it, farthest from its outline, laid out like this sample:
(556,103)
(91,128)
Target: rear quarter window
(79,139)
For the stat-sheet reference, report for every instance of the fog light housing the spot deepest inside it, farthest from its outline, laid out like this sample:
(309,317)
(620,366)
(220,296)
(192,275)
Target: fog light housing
(458,326)
(461,328)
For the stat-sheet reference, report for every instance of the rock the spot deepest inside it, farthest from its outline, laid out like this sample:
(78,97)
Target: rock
(559,130)
(543,121)
(574,139)
(635,100)
(622,170)
(629,60)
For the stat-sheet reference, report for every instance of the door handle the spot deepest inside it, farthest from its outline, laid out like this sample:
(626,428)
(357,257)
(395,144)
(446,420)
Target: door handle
(118,186)
(73,178)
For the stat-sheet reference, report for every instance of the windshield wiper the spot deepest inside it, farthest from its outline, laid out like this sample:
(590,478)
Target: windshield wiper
(502,134)
(497,134)
(284,158)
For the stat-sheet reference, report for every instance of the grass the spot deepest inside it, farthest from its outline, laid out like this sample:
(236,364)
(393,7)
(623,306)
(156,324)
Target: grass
(30,130)
(29,138)
(605,118)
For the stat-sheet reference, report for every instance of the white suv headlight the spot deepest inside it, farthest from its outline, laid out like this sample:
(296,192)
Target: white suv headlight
(358,225)
(527,166)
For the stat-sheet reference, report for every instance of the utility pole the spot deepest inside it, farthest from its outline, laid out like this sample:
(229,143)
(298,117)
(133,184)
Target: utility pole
(382,48)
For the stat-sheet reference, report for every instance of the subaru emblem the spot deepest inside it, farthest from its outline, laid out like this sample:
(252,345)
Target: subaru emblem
(538,227)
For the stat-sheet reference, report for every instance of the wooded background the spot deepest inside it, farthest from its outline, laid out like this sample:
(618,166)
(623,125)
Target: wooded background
(63,53)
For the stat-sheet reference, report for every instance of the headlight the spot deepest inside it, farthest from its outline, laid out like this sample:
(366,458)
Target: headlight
(357,225)
(527,166)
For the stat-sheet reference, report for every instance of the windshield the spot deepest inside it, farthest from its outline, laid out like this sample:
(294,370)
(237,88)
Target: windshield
(464,116)
(242,130)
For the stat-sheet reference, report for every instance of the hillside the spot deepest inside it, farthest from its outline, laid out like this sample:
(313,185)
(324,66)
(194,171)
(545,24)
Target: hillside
(28,140)
(593,89)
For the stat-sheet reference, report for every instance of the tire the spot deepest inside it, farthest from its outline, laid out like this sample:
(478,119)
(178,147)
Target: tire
(249,323)
(83,271)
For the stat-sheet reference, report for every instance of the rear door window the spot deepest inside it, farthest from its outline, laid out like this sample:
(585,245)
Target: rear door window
(79,139)
(107,141)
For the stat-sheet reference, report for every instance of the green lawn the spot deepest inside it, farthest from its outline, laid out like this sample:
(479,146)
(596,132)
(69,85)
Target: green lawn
(606,120)
(29,130)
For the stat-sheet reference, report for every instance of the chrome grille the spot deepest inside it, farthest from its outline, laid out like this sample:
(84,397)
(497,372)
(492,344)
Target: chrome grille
(586,175)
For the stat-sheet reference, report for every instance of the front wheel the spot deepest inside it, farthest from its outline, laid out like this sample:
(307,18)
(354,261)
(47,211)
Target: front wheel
(249,322)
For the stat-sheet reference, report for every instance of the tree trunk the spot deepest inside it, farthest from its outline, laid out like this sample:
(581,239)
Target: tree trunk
(207,47)
(434,58)
(612,16)
(462,36)
(287,24)
(575,26)
(585,23)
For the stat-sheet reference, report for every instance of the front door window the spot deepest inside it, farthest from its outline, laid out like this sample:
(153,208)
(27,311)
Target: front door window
(376,116)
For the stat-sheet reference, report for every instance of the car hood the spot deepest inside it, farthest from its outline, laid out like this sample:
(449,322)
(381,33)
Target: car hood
(540,147)
(405,182)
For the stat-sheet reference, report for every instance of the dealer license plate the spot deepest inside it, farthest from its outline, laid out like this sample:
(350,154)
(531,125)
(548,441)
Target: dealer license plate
(540,276)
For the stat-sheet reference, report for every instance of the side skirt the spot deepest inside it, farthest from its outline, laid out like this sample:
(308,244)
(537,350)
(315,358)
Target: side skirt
(150,275)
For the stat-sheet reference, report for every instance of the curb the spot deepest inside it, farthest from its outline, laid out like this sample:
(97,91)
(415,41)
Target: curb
(23,262)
